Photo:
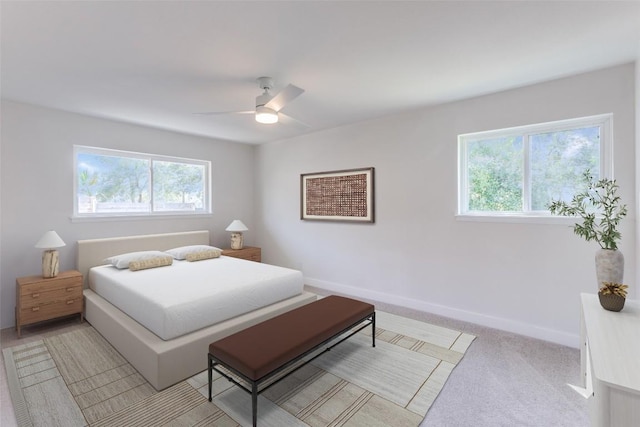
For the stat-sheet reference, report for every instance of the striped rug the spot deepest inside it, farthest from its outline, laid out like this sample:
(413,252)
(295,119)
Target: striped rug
(78,379)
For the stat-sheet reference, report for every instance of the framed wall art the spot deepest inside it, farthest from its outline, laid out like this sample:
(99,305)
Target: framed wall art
(344,195)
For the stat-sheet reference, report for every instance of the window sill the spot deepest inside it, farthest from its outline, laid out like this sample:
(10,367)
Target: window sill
(108,218)
(519,219)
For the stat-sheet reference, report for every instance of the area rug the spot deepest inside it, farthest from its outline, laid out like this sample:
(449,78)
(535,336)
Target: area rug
(78,379)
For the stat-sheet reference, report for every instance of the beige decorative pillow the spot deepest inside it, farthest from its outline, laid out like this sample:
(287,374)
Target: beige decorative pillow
(143,264)
(122,261)
(205,254)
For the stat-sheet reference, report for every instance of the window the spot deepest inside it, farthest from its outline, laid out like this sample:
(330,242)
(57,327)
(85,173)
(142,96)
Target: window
(122,183)
(516,172)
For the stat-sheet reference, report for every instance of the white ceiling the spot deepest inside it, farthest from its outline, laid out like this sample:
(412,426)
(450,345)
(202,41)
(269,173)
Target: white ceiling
(158,62)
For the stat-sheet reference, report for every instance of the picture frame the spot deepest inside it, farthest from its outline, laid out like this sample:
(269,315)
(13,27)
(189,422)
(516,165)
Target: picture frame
(341,195)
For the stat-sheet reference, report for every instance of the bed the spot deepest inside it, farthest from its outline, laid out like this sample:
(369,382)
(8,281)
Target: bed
(164,362)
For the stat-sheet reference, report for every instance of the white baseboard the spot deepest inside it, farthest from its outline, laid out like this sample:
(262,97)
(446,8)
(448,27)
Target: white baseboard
(503,324)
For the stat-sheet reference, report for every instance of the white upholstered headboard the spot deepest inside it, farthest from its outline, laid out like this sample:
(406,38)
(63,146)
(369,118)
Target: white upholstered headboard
(92,252)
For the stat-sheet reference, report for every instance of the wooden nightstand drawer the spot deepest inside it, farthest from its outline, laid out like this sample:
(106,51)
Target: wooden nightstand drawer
(34,284)
(39,298)
(253,256)
(51,310)
(249,253)
(64,285)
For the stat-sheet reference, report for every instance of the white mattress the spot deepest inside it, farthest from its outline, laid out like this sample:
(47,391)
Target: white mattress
(187,296)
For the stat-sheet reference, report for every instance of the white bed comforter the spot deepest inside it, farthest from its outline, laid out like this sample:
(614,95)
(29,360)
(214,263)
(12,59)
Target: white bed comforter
(186,296)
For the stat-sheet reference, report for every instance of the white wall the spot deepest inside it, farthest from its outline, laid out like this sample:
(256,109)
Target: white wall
(37,186)
(520,277)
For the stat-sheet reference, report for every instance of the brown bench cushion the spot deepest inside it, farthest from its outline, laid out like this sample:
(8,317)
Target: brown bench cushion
(260,349)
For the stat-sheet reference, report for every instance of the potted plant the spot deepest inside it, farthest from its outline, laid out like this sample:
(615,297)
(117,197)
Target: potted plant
(601,210)
(612,296)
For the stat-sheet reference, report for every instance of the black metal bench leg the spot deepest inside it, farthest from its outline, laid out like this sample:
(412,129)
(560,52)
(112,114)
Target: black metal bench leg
(373,329)
(210,374)
(254,403)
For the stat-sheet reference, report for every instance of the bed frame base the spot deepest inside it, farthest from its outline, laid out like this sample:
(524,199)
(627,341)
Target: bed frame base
(164,363)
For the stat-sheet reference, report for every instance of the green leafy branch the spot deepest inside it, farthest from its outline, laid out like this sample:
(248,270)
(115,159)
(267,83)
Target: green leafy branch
(600,209)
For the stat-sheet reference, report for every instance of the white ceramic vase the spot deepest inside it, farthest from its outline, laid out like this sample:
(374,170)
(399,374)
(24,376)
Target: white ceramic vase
(609,266)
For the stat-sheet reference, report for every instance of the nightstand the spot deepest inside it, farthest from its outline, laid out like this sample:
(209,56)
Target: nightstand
(249,253)
(39,299)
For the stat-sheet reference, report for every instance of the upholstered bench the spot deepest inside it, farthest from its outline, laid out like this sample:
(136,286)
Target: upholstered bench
(261,352)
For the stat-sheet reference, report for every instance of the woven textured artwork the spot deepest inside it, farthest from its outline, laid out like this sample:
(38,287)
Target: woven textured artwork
(341,195)
(337,195)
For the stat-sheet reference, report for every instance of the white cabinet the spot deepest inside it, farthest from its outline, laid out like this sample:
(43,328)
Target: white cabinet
(610,361)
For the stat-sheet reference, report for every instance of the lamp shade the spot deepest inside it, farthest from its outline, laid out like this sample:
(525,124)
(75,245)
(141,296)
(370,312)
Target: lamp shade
(237,225)
(50,240)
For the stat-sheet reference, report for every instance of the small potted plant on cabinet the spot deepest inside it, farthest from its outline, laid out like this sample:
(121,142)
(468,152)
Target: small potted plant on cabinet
(612,296)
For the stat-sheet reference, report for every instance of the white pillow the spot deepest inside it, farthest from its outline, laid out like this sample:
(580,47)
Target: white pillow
(122,261)
(182,252)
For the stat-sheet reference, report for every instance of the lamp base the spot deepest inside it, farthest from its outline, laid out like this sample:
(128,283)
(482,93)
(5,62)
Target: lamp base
(237,241)
(50,263)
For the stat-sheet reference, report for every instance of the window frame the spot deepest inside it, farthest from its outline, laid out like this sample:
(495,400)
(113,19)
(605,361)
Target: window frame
(603,121)
(207,204)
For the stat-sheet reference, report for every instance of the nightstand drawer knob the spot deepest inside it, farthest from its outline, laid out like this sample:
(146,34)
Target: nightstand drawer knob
(70,301)
(35,308)
(35,295)
(70,289)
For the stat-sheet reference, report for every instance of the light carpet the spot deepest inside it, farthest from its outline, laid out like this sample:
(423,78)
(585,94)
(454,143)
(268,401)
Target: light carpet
(78,379)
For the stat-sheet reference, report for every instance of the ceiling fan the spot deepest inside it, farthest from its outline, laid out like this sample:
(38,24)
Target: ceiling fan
(268,105)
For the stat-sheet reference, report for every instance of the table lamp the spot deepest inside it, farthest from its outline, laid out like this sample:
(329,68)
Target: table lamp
(236,228)
(49,241)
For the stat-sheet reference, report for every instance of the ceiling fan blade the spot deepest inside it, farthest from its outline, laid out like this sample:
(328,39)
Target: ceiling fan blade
(288,120)
(284,97)
(212,113)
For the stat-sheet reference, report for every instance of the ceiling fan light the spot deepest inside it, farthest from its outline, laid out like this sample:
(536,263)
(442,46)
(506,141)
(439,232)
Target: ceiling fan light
(266,115)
